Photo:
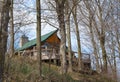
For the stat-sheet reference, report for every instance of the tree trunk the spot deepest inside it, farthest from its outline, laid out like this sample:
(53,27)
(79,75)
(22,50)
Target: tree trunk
(102,36)
(12,31)
(93,40)
(91,19)
(114,60)
(80,64)
(3,34)
(104,54)
(95,49)
(60,14)
(68,35)
(11,40)
(38,30)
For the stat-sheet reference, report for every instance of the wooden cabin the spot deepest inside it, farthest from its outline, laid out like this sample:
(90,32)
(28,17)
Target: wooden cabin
(50,43)
(50,48)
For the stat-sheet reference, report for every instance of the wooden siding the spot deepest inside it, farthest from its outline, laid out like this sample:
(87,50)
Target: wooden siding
(53,39)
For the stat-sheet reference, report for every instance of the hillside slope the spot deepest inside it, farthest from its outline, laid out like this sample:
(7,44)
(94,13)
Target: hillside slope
(25,70)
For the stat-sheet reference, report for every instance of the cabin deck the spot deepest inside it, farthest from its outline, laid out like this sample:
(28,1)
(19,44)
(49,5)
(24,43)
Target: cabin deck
(46,54)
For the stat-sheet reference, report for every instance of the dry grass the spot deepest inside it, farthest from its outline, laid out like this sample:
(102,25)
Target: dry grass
(24,70)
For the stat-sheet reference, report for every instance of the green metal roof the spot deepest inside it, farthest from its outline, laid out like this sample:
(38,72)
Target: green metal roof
(33,42)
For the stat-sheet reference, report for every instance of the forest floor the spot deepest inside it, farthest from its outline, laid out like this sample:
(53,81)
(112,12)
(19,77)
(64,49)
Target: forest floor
(26,70)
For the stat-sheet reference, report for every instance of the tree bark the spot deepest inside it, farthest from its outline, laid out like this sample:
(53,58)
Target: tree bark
(11,40)
(4,34)
(38,30)
(12,30)
(104,54)
(114,60)
(94,47)
(102,43)
(60,15)
(80,64)
(102,37)
(68,35)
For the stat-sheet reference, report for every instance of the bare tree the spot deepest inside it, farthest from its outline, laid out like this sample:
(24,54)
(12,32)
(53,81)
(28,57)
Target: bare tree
(12,29)
(11,40)
(4,20)
(68,33)
(74,13)
(60,15)
(101,34)
(38,30)
(100,17)
(90,26)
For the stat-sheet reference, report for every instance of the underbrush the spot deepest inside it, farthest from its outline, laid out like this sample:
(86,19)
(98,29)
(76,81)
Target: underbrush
(22,69)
